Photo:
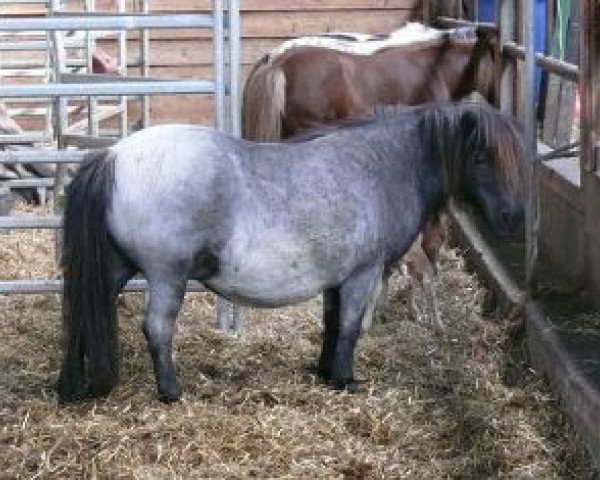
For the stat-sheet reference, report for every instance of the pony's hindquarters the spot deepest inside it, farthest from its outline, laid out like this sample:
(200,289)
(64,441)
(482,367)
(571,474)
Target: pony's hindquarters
(89,317)
(263,102)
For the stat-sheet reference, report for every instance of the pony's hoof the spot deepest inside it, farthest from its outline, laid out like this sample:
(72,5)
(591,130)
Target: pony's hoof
(71,396)
(171,396)
(350,386)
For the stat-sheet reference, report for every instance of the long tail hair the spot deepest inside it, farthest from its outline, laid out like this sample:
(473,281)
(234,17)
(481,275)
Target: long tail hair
(90,365)
(263,102)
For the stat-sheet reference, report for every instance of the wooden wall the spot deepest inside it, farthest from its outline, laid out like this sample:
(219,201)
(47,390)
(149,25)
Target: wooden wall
(265,23)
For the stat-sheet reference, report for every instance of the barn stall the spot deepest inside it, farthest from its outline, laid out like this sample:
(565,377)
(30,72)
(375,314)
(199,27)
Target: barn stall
(465,402)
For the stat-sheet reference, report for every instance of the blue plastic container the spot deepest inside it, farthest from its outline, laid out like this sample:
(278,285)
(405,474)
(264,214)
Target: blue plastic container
(487,13)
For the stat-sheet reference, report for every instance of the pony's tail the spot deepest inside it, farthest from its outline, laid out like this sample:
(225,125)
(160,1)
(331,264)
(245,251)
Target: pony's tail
(263,102)
(90,365)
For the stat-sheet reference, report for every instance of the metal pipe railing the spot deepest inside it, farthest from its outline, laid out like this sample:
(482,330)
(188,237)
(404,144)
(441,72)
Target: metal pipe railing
(566,70)
(97,86)
(101,21)
(153,87)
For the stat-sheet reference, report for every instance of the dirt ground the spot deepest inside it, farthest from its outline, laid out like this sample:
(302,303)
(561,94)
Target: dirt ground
(462,403)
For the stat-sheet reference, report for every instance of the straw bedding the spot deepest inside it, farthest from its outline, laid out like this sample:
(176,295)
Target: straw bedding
(459,404)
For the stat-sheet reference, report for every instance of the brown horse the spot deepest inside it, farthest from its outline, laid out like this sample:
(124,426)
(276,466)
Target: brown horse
(305,87)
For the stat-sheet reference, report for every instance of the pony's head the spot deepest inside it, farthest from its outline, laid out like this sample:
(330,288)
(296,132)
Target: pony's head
(483,158)
(493,165)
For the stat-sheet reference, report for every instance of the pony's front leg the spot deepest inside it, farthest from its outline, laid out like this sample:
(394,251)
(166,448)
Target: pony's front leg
(164,302)
(343,310)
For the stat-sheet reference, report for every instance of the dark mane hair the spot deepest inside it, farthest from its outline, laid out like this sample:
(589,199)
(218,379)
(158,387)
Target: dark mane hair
(454,129)
(451,129)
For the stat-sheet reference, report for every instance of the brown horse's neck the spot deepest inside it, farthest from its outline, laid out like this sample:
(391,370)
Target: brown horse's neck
(477,73)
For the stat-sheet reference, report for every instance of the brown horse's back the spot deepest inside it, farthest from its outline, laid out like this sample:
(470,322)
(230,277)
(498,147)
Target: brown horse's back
(323,85)
(319,89)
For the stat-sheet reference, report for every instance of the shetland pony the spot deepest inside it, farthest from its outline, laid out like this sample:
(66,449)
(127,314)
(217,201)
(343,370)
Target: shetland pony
(267,225)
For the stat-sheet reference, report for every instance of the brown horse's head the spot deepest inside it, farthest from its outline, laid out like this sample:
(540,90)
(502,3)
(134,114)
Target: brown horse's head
(485,58)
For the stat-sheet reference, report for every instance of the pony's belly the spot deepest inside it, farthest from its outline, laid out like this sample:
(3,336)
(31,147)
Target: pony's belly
(264,291)
(280,274)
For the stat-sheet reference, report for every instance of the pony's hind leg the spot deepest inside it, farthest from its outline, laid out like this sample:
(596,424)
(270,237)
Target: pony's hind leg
(164,302)
(343,310)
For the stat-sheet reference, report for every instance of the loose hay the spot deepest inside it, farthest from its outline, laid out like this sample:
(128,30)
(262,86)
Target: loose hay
(459,405)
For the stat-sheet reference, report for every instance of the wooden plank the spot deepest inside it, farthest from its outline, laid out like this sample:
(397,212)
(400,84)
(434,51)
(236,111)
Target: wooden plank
(285,24)
(290,24)
(260,25)
(205,5)
(195,51)
(197,109)
(267,5)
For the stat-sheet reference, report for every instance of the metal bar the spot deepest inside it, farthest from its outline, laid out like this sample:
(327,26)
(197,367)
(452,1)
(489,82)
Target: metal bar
(55,286)
(224,308)
(61,118)
(10,45)
(25,2)
(590,76)
(93,124)
(151,87)
(532,221)
(86,141)
(70,42)
(22,138)
(42,156)
(20,64)
(30,221)
(449,22)
(122,62)
(506,18)
(29,182)
(72,78)
(100,21)
(566,70)
(145,65)
(219,64)
(234,67)
(14,72)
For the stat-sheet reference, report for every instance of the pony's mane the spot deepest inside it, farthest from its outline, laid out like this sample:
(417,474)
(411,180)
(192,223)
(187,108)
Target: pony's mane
(451,129)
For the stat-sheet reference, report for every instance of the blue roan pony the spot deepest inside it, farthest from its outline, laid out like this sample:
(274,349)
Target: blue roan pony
(267,225)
